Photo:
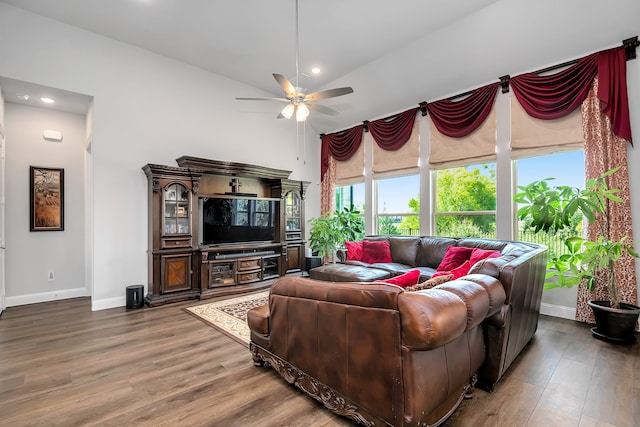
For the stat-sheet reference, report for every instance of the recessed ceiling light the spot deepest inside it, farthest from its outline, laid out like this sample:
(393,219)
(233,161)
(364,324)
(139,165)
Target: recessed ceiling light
(47,100)
(315,70)
(23,96)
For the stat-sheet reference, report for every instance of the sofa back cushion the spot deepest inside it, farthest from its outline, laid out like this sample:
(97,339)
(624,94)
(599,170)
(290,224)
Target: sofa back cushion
(431,250)
(404,250)
(496,245)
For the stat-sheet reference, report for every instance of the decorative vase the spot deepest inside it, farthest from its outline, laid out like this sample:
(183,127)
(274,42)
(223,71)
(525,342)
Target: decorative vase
(616,325)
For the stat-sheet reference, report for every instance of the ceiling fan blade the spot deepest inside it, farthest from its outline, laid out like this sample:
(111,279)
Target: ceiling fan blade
(263,99)
(286,85)
(329,93)
(322,109)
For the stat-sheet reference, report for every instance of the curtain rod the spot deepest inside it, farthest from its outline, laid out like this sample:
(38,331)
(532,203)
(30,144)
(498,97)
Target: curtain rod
(629,44)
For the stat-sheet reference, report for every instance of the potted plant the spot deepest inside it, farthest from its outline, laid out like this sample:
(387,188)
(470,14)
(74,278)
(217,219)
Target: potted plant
(551,209)
(329,232)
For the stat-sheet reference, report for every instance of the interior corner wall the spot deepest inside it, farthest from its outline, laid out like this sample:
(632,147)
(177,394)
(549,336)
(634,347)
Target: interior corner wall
(147,109)
(31,256)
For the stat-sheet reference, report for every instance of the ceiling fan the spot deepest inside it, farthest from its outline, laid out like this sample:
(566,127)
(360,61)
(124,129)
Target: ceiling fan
(298,101)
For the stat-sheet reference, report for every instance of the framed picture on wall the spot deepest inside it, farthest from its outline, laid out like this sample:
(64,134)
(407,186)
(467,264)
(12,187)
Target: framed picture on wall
(46,186)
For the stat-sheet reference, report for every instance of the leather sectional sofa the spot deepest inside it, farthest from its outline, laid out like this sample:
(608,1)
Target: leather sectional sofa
(381,355)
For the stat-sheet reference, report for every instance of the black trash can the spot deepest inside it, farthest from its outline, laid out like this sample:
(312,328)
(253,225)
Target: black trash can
(135,296)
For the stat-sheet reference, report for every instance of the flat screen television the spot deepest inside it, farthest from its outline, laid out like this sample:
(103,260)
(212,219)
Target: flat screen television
(233,219)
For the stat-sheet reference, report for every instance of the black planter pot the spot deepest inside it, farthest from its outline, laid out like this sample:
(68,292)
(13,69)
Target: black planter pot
(616,325)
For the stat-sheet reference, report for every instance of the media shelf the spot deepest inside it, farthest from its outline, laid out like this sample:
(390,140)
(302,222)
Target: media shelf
(234,269)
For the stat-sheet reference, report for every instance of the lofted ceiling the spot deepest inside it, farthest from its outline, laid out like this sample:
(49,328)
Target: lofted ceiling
(359,43)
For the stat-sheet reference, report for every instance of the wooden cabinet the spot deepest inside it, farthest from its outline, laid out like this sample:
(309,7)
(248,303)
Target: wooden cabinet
(293,201)
(182,267)
(172,234)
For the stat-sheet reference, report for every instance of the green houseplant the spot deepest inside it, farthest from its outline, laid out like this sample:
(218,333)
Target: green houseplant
(329,232)
(551,209)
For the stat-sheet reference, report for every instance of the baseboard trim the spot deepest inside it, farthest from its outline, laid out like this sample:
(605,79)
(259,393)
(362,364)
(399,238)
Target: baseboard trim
(45,297)
(104,304)
(558,311)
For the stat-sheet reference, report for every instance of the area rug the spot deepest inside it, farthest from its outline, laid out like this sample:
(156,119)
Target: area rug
(229,316)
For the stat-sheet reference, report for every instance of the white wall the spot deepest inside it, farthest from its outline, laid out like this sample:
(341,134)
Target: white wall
(32,255)
(2,203)
(147,109)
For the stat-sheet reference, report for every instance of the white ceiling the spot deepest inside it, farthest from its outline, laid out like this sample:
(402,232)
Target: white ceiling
(357,43)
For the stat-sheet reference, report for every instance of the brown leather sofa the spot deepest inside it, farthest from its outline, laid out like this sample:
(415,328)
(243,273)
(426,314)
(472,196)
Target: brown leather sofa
(374,352)
(521,270)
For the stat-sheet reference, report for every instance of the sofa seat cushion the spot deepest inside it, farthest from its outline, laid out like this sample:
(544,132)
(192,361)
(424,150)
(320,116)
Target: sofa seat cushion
(426,273)
(347,273)
(395,268)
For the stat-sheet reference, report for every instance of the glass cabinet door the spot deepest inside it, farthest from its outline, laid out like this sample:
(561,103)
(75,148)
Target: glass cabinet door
(292,211)
(176,210)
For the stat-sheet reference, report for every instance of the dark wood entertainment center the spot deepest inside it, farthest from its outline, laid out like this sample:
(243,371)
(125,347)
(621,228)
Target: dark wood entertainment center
(181,267)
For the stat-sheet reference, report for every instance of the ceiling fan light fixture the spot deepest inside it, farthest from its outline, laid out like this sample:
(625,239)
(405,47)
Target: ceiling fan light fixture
(302,112)
(287,112)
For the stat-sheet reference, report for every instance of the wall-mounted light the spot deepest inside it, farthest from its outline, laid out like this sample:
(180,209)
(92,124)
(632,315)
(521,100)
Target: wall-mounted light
(47,100)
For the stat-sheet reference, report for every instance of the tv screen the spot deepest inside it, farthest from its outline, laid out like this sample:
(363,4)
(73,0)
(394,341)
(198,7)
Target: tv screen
(237,220)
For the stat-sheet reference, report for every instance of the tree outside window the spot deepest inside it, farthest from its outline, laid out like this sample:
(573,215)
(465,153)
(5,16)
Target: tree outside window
(466,201)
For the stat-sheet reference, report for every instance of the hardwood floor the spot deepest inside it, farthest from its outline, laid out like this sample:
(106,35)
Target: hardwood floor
(61,364)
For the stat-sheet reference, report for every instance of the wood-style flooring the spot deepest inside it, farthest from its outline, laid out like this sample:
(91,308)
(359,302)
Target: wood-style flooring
(62,364)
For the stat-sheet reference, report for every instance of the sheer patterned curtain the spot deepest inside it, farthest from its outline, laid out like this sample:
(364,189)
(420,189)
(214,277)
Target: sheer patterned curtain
(328,188)
(603,151)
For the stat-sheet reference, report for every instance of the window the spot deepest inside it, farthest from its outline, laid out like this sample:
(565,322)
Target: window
(566,169)
(350,196)
(398,205)
(465,201)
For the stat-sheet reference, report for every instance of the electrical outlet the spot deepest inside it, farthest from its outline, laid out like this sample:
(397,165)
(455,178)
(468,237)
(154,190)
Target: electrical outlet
(51,277)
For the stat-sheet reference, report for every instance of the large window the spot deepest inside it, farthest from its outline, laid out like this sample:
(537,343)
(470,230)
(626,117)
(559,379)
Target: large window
(565,169)
(465,201)
(350,197)
(398,205)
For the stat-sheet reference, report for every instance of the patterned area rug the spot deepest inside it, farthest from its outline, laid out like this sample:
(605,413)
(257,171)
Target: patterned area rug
(230,316)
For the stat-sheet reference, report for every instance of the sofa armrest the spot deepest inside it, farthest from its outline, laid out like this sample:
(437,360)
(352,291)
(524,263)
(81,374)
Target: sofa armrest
(258,319)
(434,317)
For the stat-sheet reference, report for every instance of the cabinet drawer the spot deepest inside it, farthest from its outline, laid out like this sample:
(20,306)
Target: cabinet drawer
(176,243)
(253,276)
(249,264)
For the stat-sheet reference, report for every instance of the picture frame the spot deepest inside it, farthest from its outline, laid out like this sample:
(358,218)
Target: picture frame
(46,201)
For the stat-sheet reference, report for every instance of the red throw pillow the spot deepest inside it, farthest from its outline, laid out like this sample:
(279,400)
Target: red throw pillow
(354,251)
(376,251)
(462,270)
(457,272)
(479,254)
(454,257)
(409,278)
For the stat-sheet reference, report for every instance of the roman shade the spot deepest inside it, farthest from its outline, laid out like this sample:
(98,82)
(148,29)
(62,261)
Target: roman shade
(532,136)
(477,147)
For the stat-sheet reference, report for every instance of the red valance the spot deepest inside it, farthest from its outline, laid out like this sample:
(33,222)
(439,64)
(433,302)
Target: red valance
(554,96)
(457,119)
(393,133)
(341,145)
(612,90)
